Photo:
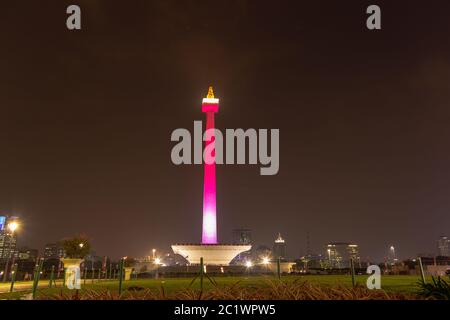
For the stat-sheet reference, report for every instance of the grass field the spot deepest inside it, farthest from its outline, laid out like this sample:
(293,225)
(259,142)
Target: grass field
(395,284)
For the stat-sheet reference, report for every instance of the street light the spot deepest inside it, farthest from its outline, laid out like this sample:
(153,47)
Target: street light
(157,262)
(249,265)
(266,261)
(329,256)
(154,253)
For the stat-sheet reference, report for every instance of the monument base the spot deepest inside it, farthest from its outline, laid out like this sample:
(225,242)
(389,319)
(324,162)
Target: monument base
(212,254)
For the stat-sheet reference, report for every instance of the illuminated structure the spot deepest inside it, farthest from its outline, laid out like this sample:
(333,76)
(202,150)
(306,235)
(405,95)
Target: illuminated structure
(8,239)
(210,105)
(443,246)
(340,253)
(279,248)
(211,252)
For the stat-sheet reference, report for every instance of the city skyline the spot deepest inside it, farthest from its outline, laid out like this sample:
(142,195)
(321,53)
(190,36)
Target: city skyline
(240,236)
(85,137)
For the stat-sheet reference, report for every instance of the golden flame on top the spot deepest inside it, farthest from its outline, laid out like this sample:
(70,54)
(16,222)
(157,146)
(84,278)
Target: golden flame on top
(210,93)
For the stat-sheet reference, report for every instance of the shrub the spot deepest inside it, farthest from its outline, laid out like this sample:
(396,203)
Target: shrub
(438,289)
(276,290)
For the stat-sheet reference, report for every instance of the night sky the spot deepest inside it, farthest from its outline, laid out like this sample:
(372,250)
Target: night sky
(86,119)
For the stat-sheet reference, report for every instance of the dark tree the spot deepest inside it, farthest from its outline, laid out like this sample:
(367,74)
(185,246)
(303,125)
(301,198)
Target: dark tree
(77,247)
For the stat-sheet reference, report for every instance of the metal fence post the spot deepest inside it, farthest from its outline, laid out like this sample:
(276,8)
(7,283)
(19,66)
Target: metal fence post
(202,269)
(37,276)
(13,277)
(279,269)
(121,274)
(422,273)
(352,270)
(52,274)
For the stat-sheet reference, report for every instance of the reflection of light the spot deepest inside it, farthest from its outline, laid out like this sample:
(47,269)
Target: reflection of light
(249,264)
(265,260)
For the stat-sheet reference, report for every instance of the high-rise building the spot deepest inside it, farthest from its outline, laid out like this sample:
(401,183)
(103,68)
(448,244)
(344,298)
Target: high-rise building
(8,239)
(279,248)
(2,223)
(392,257)
(26,253)
(242,236)
(340,253)
(444,246)
(53,251)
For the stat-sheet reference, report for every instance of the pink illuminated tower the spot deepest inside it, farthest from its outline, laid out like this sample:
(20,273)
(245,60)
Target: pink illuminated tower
(209,251)
(210,105)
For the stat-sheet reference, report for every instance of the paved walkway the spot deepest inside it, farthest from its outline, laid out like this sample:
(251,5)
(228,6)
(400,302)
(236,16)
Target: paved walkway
(24,285)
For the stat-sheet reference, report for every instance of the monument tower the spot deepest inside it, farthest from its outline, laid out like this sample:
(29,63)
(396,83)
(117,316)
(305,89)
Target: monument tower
(212,252)
(210,105)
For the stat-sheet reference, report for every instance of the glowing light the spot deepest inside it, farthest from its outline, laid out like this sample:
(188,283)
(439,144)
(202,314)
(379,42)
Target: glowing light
(157,261)
(249,264)
(210,94)
(265,260)
(81,245)
(279,239)
(210,100)
(209,227)
(13,226)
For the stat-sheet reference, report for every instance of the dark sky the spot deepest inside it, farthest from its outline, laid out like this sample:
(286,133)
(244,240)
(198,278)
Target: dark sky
(86,118)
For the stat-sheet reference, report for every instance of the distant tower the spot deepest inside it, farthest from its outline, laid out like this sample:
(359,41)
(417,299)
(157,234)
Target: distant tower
(279,248)
(242,236)
(210,105)
(392,258)
(308,244)
(444,246)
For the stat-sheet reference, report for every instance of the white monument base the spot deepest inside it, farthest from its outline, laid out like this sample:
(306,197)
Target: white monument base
(72,272)
(212,254)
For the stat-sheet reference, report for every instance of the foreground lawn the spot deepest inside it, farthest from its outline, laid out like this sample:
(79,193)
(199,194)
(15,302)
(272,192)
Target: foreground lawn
(397,284)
